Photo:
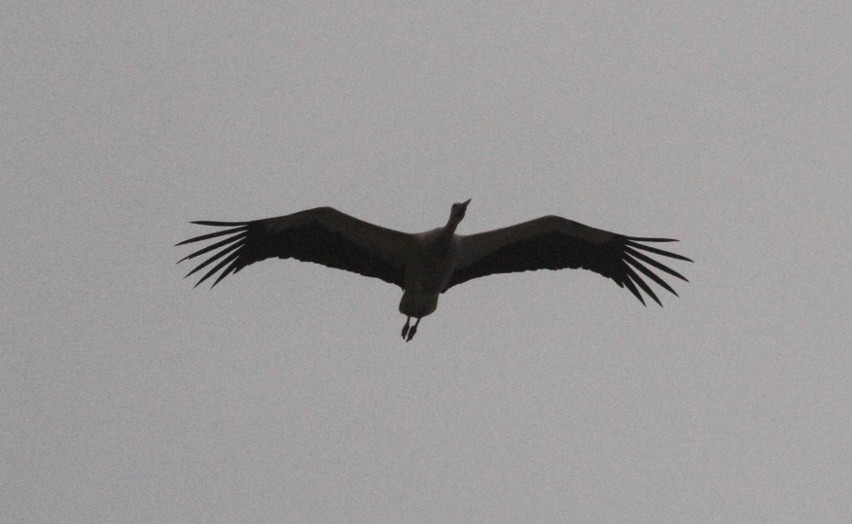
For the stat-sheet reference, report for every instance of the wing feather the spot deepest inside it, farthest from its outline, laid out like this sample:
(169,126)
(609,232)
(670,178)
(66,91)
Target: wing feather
(645,287)
(212,235)
(656,264)
(321,235)
(650,274)
(632,287)
(557,243)
(211,247)
(656,251)
(217,267)
(216,256)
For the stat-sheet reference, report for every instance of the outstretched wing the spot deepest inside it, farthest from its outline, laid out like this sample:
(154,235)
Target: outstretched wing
(321,235)
(553,242)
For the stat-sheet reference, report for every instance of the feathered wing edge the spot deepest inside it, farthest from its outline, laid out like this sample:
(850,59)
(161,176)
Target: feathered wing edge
(621,258)
(230,247)
(322,236)
(632,259)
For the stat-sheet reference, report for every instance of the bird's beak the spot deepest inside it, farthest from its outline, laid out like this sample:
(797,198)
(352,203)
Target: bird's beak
(466,202)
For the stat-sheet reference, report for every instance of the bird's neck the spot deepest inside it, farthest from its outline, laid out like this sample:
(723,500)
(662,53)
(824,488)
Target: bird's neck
(449,230)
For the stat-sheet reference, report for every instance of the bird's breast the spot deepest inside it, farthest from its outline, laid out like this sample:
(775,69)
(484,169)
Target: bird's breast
(431,270)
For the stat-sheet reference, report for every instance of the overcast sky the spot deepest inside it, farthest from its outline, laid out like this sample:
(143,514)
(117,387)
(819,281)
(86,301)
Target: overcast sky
(286,394)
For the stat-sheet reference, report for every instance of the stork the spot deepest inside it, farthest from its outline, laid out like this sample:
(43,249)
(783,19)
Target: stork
(427,264)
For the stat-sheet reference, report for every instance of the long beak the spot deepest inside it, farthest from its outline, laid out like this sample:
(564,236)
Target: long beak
(466,202)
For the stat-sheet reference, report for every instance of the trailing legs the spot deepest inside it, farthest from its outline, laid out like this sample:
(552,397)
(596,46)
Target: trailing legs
(408,331)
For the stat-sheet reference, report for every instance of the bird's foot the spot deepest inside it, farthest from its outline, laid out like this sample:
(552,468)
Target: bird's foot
(405,330)
(412,331)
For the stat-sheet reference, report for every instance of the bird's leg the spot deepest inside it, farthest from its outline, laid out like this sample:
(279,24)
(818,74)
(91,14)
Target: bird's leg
(405,328)
(413,330)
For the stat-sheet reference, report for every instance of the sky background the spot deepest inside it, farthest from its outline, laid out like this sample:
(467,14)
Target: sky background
(286,394)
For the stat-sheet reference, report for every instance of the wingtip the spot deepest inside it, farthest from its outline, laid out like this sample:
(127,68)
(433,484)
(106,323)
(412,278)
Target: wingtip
(217,223)
(652,239)
(636,245)
(632,288)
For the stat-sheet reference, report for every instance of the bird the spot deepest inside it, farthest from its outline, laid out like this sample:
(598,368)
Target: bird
(427,264)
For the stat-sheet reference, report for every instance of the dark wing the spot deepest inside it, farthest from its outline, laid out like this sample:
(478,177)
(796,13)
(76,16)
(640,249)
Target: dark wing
(556,243)
(322,235)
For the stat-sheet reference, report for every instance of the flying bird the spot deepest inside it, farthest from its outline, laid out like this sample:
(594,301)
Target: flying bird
(427,264)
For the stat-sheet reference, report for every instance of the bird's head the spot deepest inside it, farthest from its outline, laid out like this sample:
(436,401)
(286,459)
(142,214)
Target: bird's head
(458,210)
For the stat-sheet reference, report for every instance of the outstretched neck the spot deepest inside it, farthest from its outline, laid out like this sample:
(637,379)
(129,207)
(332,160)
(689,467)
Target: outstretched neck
(452,224)
(456,216)
(446,233)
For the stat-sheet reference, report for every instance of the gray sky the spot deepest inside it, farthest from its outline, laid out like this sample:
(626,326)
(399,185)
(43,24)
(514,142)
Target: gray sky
(287,394)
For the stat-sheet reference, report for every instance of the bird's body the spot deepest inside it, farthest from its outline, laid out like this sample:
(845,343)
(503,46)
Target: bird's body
(428,269)
(427,264)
